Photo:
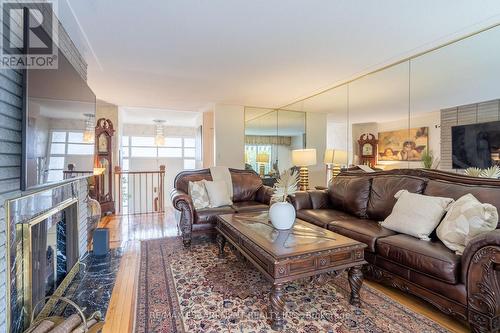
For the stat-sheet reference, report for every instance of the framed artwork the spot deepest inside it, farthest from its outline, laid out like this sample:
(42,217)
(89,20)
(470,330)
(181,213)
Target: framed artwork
(403,145)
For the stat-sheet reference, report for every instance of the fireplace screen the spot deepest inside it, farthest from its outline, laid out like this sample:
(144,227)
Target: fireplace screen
(49,267)
(49,247)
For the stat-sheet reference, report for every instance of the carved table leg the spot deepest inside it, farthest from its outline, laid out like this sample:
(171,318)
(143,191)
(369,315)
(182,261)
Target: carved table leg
(355,281)
(221,241)
(276,307)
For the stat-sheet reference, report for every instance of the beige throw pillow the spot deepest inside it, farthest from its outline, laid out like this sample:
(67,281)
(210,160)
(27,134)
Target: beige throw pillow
(199,194)
(466,219)
(416,215)
(218,193)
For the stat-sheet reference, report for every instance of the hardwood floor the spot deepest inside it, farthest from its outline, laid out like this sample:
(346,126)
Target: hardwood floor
(128,231)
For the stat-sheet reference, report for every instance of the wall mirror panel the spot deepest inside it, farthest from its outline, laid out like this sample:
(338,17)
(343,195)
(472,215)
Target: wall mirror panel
(439,109)
(455,93)
(333,103)
(270,137)
(379,120)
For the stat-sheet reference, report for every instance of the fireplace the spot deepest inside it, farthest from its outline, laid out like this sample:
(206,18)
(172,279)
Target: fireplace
(52,251)
(46,232)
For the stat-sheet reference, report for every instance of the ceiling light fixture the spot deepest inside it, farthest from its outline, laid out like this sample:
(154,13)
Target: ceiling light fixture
(89,131)
(159,137)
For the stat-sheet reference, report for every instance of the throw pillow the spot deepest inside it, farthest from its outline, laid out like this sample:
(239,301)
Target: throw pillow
(218,193)
(416,215)
(465,219)
(198,194)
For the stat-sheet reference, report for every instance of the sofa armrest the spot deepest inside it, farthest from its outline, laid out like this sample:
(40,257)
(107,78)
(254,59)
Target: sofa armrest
(183,203)
(264,194)
(481,274)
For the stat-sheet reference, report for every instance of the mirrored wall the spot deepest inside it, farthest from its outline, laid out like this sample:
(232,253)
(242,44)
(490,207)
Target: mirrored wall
(440,109)
(270,137)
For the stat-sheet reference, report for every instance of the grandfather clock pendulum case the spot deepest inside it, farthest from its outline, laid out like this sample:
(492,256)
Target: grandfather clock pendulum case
(103,161)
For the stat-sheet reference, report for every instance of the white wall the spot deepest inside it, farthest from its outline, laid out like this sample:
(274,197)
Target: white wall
(316,138)
(229,135)
(208,139)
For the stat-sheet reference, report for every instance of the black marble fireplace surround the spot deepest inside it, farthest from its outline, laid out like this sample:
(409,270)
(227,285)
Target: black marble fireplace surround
(44,224)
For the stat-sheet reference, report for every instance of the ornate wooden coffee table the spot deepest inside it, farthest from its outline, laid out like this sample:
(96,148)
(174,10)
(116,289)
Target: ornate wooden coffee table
(284,256)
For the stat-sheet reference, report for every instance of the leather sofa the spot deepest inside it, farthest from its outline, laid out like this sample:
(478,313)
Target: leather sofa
(467,286)
(249,194)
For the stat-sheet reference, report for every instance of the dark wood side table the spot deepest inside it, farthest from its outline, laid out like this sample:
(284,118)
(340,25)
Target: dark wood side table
(284,256)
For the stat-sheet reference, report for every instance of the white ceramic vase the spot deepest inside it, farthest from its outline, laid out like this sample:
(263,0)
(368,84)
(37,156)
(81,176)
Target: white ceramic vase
(282,215)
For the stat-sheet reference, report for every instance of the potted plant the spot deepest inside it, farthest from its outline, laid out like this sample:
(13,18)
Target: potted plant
(281,212)
(427,158)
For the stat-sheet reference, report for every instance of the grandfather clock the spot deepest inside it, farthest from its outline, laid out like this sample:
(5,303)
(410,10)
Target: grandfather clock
(103,164)
(368,150)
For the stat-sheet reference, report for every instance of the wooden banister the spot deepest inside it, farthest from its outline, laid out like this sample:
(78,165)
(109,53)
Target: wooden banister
(140,192)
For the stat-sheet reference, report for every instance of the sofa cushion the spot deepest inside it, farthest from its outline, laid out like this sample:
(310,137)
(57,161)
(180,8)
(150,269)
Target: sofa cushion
(319,199)
(428,257)
(209,215)
(245,185)
(383,190)
(483,193)
(350,194)
(366,231)
(248,206)
(321,217)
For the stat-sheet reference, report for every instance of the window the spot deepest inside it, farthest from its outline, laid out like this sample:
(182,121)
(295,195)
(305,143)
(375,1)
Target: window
(251,152)
(145,147)
(63,144)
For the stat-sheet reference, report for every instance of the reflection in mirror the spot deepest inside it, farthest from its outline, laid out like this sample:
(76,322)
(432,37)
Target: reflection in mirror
(292,130)
(333,103)
(270,136)
(379,119)
(455,94)
(56,139)
(260,139)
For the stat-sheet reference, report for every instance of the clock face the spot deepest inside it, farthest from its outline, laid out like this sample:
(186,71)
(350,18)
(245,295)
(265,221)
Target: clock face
(103,144)
(367,149)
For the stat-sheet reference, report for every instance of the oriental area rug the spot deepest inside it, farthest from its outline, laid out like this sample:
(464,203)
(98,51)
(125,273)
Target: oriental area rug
(191,290)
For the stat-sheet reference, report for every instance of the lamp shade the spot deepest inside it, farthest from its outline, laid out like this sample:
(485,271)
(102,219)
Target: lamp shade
(262,158)
(335,156)
(304,157)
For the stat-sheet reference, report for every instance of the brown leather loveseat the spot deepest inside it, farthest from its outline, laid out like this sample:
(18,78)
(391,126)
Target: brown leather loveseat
(249,194)
(467,286)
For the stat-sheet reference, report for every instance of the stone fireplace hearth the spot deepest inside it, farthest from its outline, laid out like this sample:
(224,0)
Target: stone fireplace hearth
(45,236)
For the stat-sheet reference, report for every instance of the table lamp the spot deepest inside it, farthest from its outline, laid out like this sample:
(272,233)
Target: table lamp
(334,160)
(262,159)
(304,158)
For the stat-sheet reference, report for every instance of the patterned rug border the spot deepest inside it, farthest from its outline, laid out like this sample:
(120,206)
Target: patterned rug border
(174,317)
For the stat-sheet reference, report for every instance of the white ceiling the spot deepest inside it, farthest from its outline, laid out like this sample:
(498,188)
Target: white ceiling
(189,54)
